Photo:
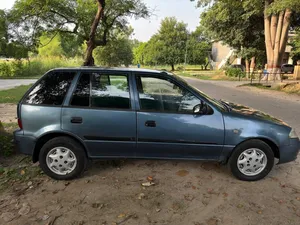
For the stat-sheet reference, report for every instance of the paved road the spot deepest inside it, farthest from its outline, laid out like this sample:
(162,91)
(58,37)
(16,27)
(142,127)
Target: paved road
(280,105)
(7,84)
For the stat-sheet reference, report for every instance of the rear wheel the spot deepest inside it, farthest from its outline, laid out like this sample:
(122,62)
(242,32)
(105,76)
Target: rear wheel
(251,160)
(62,158)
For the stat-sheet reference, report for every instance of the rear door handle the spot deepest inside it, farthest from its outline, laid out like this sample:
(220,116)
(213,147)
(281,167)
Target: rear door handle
(150,123)
(76,120)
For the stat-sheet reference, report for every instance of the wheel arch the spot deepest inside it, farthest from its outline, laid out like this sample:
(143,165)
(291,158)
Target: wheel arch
(271,143)
(46,137)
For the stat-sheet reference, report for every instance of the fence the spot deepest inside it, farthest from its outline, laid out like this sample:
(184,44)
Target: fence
(264,77)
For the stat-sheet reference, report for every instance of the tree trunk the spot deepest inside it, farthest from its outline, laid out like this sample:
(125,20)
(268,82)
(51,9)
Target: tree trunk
(172,65)
(247,68)
(252,67)
(91,45)
(276,37)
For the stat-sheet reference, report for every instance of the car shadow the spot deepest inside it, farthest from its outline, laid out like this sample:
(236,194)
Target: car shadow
(104,167)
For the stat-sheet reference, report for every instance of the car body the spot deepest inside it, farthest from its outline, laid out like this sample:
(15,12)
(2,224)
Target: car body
(107,113)
(287,68)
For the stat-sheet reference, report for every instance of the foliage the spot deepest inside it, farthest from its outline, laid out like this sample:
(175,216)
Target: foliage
(295,43)
(115,53)
(9,48)
(198,48)
(235,24)
(35,67)
(166,47)
(171,41)
(31,18)
(234,72)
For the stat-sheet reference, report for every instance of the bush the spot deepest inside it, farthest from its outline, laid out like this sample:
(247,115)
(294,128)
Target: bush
(234,72)
(35,67)
(5,69)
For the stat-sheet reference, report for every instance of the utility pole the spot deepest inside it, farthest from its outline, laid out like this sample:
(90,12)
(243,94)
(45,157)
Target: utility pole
(186,50)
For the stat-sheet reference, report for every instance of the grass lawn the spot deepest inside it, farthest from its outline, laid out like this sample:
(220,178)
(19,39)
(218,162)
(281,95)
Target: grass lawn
(13,95)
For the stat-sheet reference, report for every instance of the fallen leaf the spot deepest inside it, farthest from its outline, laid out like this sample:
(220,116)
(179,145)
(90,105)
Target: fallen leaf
(193,187)
(259,212)
(158,210)
(148,184)
(121,215)
(150,178)
(298,198)
(225,194)
(182,173)
(141,196)
(22,172)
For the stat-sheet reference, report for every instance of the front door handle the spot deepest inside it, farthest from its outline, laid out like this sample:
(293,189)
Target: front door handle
(150,123)
(76,120)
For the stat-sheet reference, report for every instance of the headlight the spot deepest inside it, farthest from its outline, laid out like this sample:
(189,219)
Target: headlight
(293,134)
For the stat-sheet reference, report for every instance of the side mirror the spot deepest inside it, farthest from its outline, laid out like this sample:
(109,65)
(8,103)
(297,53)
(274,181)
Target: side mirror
(201,109)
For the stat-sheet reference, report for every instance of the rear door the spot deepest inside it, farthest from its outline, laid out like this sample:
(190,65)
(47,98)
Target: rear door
(100,111)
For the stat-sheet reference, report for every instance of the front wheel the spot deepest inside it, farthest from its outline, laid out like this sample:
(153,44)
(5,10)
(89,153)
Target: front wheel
(251,160)
(62,158)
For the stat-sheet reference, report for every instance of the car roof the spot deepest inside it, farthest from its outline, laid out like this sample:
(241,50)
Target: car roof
(118,69)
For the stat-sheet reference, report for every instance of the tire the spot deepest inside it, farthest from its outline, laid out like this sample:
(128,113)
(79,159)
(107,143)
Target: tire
(67,153)
(251,147)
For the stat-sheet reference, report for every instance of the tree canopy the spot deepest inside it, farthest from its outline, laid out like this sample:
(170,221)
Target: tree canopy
(246,19)
(31,18)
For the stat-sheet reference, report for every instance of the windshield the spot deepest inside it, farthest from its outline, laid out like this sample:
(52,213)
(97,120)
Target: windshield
(215,102)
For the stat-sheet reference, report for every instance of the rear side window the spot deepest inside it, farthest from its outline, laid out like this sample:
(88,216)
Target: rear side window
(51,90)
(102,91)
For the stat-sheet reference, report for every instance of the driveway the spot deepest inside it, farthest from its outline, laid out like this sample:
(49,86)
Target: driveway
(185,192)
(11,83)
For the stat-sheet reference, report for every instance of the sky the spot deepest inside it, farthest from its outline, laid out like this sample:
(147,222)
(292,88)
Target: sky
(183,10)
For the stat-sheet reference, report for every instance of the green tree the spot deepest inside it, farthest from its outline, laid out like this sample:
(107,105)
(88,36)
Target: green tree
(31,18)
(8,47)
(277,16)
(295,43)
(171,41)
(139,53)
(198,48)
(50,46)
(235,25)
(115,53)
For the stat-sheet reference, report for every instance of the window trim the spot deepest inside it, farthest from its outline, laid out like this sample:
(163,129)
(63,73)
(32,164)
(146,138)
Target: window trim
(104,72)
(167,78)
(22,101)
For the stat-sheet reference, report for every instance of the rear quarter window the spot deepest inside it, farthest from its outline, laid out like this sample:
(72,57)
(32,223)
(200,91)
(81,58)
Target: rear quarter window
(51,89)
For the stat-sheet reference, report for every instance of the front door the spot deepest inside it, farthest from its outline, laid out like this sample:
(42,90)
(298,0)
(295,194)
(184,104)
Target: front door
(167,127)
(100,113)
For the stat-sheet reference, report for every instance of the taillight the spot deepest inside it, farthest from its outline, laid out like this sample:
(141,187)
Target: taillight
(20,123)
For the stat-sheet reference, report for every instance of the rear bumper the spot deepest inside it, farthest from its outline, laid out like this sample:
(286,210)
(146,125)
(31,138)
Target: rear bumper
(25,144)
(290,152)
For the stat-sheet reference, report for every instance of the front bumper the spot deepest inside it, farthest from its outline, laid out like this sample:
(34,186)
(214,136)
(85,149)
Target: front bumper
(289,152)
(25,144)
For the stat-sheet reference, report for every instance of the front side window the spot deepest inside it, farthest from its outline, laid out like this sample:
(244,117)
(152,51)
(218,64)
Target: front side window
(157,94)
(51,90)
(102,91)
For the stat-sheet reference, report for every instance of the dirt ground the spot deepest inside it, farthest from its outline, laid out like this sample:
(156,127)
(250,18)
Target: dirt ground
(8,113)
(184,192)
